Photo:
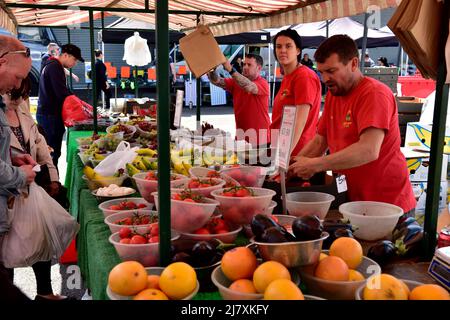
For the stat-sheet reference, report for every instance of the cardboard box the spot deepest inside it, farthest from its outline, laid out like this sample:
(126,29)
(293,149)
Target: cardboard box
(420,192)
(201,51)
(418,136)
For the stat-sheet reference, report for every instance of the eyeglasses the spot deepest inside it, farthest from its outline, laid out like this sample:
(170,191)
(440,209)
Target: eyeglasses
(26,52)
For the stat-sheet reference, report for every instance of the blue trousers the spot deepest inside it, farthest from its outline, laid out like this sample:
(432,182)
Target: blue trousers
(54,131)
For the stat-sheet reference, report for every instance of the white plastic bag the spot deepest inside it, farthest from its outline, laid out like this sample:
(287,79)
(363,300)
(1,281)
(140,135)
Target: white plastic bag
(117,160)
(41,229)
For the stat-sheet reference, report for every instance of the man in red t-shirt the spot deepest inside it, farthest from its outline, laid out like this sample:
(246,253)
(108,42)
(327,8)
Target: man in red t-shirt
(359,126)
(250,99)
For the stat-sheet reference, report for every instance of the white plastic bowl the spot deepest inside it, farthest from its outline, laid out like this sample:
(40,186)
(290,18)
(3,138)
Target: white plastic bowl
(147,187)
(228,237)
(179,186)
(125,135)
(241,210)
(189,216)
(104,206)
(309,204)
(247,176)
(150,271)
(373,220)
(202,172)
(411,285)
(105,182)
(147,253)
(142,228)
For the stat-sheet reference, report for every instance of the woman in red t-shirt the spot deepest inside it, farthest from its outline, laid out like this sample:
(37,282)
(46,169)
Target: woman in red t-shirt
(300,87)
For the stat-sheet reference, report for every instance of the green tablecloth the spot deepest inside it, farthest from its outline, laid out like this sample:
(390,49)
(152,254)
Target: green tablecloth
(72,150)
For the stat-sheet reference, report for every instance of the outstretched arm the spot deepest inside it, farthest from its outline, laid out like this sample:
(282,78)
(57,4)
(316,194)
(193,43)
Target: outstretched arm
(246,84)
(216,80)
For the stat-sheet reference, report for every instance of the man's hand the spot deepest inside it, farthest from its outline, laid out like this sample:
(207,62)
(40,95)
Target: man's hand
(304,167)
(23,159)
(30,174)
(227,66)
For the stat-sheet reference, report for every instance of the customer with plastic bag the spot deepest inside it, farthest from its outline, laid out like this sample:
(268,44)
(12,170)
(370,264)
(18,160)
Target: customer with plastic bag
(15,64)
(26,139)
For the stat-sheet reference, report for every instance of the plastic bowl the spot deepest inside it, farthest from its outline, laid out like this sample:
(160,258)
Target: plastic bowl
(292,254)
(308,204)
(147,254)
(147,187)
(240,211)
(132,130)
(104,206)
(269,209)
(373,220)
(146,134)
(202,172)
(150,271)
(189,216)
(247,176)
(338,290)
(179,186)
(411,285)
(105,182)
(283,219)
(223,283)
(228,237)
(109,220)
(101,199)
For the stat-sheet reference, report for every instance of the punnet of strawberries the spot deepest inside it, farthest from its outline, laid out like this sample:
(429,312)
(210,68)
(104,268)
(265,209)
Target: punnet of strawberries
(188,196)
(238,192)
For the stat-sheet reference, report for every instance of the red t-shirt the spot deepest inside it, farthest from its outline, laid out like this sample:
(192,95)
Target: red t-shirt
(370,104)
(300,87)
(251,111)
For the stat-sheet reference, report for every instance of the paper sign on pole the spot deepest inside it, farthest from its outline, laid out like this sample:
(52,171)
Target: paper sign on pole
(178,108)
(285,137)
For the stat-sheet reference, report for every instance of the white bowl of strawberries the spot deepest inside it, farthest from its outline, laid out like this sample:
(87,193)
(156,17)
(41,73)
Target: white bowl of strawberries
(189,210)
(147,182)
(239,204)
(139,220)
(215,228)
(203,186)
(123,204)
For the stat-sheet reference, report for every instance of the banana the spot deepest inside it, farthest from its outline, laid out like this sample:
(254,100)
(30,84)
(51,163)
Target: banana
(132,170)
(154,165)
(147,161)
(146,152)
(99,156)
(89,172)
(186,166)
(137,162)
(179,168)
(186,152)
(232,160)
(207,160)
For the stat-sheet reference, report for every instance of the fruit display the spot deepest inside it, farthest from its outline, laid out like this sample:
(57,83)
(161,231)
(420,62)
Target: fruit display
(189,211)
(238,205)
(130,280)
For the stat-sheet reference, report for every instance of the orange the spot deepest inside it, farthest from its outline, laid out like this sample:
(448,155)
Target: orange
(268,272)
(238,263)
(151,294)
(178,280)
(153,282)
(332,268)
(127,278)
(322,256)
(349,250)
(243,285)
(405,287)
(429,292)
(384,287)
(354,275)
(283,289)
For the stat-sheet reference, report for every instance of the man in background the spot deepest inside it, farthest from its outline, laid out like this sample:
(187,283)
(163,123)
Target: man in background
(101,78)
(53,51)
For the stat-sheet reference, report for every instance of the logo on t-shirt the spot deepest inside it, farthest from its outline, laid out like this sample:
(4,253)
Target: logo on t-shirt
(285,93)
(348,119)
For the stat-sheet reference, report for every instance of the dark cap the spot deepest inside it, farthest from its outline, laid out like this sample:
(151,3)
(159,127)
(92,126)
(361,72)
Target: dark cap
(72,50)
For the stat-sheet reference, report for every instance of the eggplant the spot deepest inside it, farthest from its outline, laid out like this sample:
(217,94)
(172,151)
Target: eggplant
(273,235)
(339,233)
(331,227)
(408,240)
(202,254)
(307,228)
(182,257)
(382,252)
(260,223)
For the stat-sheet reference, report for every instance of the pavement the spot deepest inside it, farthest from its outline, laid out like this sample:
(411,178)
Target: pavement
(66,279)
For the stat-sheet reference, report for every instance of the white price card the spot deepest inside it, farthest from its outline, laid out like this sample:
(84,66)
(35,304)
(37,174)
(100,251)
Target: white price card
(178,108)
(341,183)
(285,137)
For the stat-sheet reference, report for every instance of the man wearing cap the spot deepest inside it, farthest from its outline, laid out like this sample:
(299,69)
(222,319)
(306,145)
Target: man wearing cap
(52,93)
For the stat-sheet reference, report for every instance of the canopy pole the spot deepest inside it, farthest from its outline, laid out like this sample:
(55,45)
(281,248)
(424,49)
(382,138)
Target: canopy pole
(93,75)
(437,144)
(198,90)
(270,75)
(163,120)
(70,70)
(364,43)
